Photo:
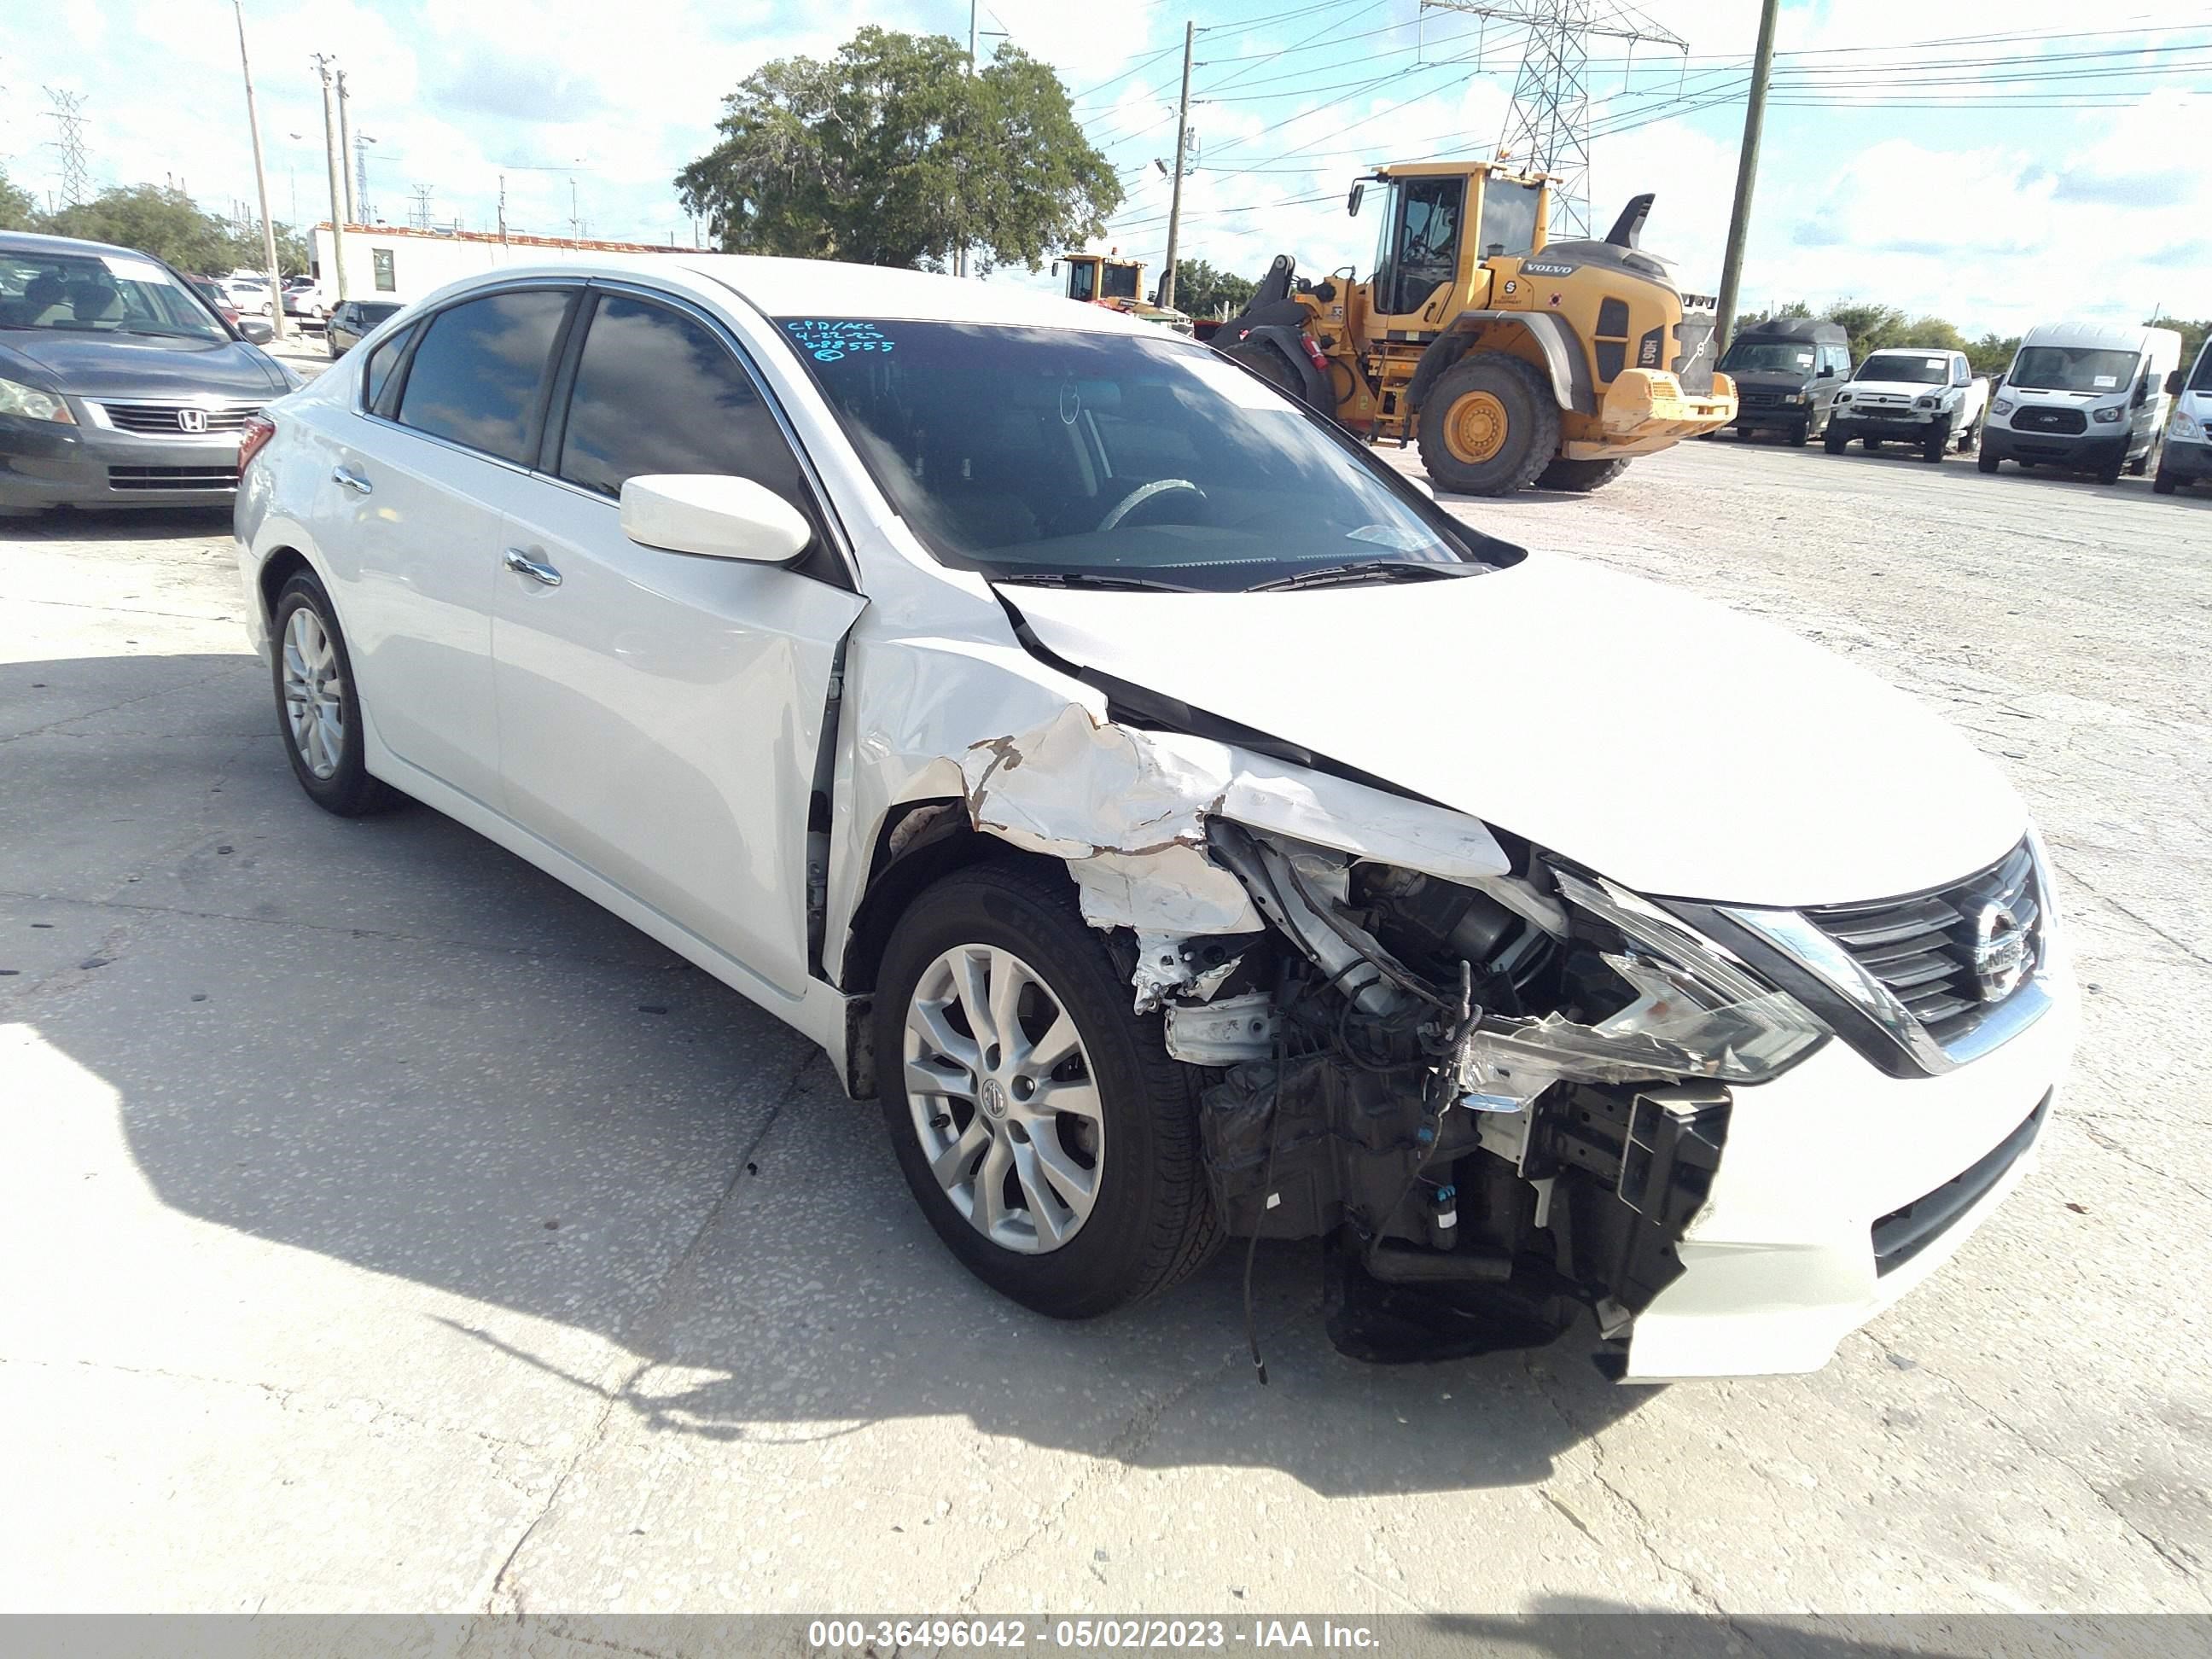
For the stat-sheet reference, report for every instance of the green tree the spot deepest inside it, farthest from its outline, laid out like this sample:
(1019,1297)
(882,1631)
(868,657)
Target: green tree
(19,209)
(153,219)
(1202,291)
(890,154)
(1993,353)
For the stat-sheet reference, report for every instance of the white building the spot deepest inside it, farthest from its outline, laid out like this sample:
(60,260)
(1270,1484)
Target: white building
(400,262)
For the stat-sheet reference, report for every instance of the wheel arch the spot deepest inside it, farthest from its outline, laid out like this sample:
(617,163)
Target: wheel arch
(919,843)
(1555,347)
(280,566)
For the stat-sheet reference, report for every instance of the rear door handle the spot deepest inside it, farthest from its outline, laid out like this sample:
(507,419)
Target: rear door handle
(523,565)
(351,479)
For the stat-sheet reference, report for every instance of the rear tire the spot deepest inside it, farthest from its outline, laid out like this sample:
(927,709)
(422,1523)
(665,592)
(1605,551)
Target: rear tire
(1971,439)
(1270,365)
(1150,1219)
(317,710)
(1489,426)
(1579,477)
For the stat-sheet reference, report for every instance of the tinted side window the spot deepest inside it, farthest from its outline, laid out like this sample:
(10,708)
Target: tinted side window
(656,391)
(376,376)
(476,376)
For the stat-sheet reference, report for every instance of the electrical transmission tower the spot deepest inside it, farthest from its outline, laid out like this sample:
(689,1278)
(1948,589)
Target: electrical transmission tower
(1548,129)
(419,215)
(68,114)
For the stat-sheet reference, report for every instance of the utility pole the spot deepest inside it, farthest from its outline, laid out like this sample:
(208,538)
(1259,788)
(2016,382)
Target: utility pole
(260,179)
(345,150)
(1182,143)
(331,158)
(502,210)
(1747,174)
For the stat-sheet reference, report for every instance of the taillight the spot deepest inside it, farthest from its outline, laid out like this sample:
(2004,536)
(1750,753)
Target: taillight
(253,438)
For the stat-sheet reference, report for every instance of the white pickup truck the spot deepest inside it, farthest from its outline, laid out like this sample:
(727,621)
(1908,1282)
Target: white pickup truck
(1932,399)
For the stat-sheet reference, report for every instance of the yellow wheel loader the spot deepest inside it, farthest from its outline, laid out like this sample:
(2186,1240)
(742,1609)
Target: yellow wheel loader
(1100,279)
(1510,359)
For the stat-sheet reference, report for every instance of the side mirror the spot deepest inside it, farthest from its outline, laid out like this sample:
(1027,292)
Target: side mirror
(1825,372)
(1352,201)
(2173,383)
(1056,267)
(714,515)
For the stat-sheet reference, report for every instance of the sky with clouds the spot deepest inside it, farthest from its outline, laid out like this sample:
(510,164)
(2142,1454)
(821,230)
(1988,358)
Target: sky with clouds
(1995,161)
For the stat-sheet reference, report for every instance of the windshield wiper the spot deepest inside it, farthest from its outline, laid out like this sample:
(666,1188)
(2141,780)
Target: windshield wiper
(1093,578)
(1362,570)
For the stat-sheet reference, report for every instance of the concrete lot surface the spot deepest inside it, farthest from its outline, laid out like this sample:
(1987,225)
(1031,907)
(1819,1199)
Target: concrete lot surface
(389,1228)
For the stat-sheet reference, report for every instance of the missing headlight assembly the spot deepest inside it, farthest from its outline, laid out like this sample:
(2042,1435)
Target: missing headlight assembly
(1495,1086)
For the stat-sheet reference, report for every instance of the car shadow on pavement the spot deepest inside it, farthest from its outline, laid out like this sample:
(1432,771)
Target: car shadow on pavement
(153,523)
(387,1041)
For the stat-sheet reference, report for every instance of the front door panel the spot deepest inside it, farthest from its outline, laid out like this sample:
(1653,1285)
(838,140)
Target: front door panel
(659,716)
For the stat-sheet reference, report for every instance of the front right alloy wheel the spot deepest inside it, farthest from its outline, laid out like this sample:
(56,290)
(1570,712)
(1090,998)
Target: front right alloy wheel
(1046,1133)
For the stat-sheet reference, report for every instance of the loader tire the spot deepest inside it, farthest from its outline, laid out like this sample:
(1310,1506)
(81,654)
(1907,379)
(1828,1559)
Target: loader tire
(1489,426)
(1271,365)
(1579,477)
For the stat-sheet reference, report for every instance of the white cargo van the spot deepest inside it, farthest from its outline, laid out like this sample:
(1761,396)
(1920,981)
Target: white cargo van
(2185,457)
(2090,396)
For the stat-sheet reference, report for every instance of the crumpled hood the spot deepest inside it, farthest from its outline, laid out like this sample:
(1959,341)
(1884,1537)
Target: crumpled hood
(1661,740)
(138,366)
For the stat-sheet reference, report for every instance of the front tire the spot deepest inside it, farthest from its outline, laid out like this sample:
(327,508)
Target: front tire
(1986,460)
(1579,477)
(1936,445)
(1834,439)
(317,710)
(1799,433)
(1047,1136)
(1489,426)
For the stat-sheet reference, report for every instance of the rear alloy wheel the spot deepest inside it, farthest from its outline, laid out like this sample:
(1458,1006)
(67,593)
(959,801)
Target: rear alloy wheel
(1048,1138)
(1489,426)
(317,709)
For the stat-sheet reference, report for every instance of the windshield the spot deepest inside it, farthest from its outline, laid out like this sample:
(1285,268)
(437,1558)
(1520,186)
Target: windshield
(100,293)
(2071,369)
(1916,367)
(1768,357)
(1047,454)
(2200,378)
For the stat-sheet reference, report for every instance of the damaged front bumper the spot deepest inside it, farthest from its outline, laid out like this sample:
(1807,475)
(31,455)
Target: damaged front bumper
(1502,1089)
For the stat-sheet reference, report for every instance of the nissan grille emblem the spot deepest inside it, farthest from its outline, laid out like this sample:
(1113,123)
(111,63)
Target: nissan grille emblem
(2002,952)
(192,420)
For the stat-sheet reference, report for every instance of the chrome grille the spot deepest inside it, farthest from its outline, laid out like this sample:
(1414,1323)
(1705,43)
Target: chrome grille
(166,420)
(1922,949)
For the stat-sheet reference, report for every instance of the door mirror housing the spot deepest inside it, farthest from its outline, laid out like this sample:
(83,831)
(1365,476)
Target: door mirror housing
(2173,383)
(714,515)
(1825,372)
(1352,201)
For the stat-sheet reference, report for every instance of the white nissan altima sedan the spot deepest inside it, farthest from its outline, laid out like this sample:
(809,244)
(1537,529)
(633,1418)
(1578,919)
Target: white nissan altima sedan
(1183,828)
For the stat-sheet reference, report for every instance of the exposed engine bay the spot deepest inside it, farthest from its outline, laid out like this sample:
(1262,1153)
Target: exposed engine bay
(1496,1086)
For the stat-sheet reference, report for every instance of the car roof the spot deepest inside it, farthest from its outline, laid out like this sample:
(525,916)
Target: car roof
(32,241)
(1816,329)
(827,288)
(2106,337)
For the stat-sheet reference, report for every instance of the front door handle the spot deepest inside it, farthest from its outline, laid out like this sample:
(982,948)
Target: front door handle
(351,479)
(523,565)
